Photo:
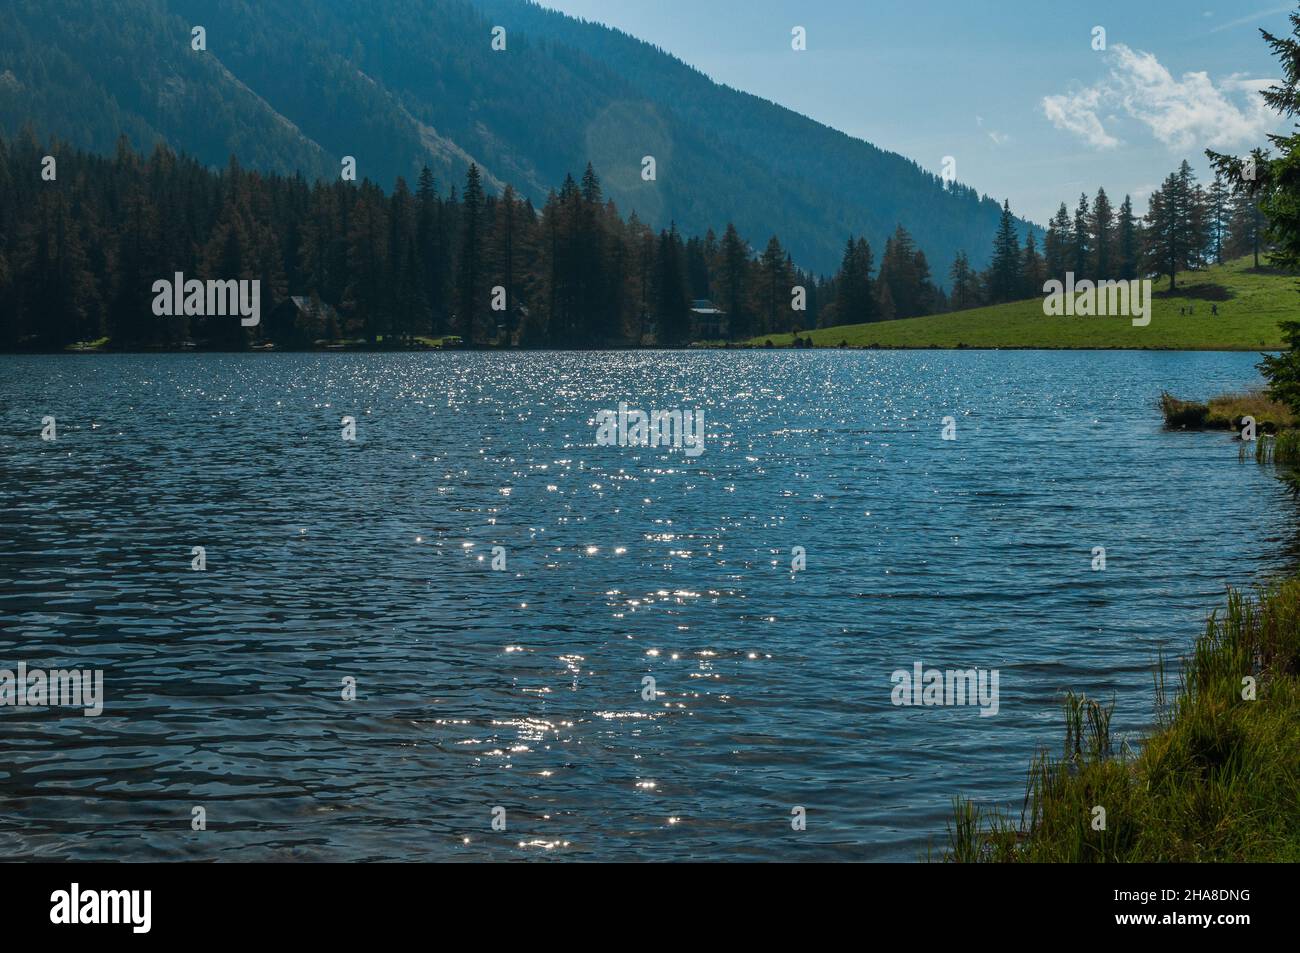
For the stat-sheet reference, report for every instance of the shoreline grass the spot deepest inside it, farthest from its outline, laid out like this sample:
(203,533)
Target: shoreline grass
(1218,779)
(1218,776)
(1226,411)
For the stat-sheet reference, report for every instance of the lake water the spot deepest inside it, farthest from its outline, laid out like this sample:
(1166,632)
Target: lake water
(522,688)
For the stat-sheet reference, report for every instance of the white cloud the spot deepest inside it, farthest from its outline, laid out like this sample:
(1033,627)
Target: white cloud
(1184,113)
(1077,113)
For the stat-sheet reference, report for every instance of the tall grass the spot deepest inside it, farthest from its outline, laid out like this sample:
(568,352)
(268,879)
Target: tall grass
(1217,780)
(1180,414)
(1226,411)
(1282,449)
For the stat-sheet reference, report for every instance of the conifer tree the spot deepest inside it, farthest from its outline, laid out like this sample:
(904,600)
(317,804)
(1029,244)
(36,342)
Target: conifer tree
(1128,242)
(1163,232)
(1056,245)
(1031,268)
(1219,199)
(965,289)
(1102,236)
(854,297)
(1081,247)
(1004,271)
(672,306)
(775,287)
(471,287)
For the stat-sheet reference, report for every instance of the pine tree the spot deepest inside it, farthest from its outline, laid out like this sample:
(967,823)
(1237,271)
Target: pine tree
(672,306)
(1192,219)
(1280,177)
(965,288)
(1031,268)
(643,256)
(855,299)
(1176,230)
(907,275)
(1245,226)
(697,268)
(229,255)
(885,299)
(1219,201)
(1081,248)
(1102,236)
(1271,187)
(775,287)
(365,301)
(1129,242)
(1004,272)
(130,315)
(865,263)
(432,252)
(733,274)
(1163,231)
(1056,246)
(504,255)
(410,314)
(927,295)
(57,283)
(471,287)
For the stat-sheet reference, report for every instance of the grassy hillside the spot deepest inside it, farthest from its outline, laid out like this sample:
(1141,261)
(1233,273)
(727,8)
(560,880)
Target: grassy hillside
(1250,303)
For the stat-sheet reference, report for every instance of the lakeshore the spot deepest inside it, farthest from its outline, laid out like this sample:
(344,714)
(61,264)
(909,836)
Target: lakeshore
(1214,781)
(1230,307)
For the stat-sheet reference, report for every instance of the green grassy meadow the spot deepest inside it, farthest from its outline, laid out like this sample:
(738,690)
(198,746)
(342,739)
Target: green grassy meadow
(1250,304)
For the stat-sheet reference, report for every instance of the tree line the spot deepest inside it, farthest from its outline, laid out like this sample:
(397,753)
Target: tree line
(1186,227)
(81,250)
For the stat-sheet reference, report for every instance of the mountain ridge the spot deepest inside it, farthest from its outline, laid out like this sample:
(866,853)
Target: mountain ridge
(415,82)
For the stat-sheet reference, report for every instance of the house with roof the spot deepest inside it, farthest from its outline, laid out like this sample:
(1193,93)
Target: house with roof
(299,320)
(708,323)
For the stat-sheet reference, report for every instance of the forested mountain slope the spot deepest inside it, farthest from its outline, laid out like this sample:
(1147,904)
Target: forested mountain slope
(404,83)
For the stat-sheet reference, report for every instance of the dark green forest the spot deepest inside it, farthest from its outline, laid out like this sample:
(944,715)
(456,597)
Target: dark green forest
(80,252)
(79,255)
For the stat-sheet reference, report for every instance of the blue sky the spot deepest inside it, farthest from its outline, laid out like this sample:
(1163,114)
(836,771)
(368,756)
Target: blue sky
(1011,89)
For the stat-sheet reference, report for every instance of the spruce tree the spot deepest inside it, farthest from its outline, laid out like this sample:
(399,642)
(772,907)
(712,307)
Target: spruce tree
(775,287)
(1270,187)
(672,306)
(471,289)
(1031,268)
(1081,248)
(1128,242)
(1219,199)
(733,281)
(1102,235)
(1056,245)
(1163,231)
(1004,270)
(965,291)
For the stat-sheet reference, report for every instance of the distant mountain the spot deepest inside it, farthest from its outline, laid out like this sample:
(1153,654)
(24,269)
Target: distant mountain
(403,83)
